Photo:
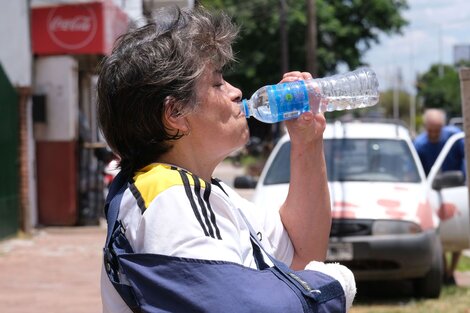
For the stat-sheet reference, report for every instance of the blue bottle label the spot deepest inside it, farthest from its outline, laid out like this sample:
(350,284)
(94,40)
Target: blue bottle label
(288,100)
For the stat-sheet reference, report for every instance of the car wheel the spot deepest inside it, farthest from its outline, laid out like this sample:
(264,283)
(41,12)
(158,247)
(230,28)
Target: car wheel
(430,285)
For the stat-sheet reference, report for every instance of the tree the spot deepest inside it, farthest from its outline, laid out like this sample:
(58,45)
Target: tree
(346,30)
(441,91)
(386,104)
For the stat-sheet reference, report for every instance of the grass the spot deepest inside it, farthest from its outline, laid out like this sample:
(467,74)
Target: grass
(452,300)
(464,264)
(398,298)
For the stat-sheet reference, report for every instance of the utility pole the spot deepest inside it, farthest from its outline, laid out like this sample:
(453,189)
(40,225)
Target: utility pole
(396,94)
(464,76)
(284,37)
(276,128)
(441,66)
(312,65)
(412,113)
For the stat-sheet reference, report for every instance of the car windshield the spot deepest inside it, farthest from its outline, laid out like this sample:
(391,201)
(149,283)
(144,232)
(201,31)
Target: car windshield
(372,160)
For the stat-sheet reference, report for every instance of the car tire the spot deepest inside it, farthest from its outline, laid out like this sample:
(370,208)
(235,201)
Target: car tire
(430,285)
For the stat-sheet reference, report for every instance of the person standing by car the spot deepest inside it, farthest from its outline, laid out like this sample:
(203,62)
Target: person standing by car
(171,118)
(428,145)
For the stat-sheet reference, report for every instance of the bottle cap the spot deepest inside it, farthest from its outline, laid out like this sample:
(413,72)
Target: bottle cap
(244,108)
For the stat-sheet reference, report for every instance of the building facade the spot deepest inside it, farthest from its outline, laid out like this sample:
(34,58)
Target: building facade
(48,79)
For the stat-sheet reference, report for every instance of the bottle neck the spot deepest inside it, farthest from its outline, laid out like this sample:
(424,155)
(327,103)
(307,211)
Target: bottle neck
(245,108)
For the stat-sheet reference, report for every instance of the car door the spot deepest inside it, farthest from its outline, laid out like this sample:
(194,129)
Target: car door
(449,194)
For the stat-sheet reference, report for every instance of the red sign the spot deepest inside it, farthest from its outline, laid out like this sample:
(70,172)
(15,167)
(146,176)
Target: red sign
(87,28)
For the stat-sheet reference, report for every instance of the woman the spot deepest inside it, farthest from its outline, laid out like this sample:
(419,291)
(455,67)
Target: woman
(167,112)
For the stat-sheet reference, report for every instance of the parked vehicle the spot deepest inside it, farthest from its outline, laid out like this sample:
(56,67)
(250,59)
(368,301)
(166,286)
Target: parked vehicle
(450,192)
(110,171)
(386,215)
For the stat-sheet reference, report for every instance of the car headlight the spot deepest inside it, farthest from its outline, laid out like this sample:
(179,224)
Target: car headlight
(388,227)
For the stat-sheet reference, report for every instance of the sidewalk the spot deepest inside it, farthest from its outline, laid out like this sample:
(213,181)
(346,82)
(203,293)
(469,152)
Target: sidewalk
(55,271)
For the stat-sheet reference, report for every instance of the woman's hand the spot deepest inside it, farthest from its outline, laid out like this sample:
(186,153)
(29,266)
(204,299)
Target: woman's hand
(306,213)
(308,127)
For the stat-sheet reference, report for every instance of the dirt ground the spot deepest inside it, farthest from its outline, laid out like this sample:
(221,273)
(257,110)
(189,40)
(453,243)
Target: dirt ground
(55,270)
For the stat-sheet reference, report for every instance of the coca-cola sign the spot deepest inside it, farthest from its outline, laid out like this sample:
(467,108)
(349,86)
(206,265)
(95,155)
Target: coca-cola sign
(76,28)
(72,27)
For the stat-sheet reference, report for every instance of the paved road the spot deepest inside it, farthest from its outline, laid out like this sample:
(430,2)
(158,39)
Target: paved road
(227,173)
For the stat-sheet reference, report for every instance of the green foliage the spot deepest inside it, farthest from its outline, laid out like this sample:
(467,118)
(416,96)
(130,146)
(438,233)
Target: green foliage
(345,30)
(387,101)
(440,88)
(452,299)
(464,264)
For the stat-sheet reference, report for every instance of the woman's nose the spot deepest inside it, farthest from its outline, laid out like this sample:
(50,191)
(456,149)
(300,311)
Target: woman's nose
(235,93)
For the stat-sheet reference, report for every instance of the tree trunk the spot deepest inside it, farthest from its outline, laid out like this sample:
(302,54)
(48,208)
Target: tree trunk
(311,39)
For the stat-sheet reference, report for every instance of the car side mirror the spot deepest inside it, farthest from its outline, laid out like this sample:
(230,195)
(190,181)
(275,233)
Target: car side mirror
(245,182)
(448,179)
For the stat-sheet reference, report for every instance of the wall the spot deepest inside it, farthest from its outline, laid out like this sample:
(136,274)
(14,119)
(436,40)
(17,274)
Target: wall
(16,59)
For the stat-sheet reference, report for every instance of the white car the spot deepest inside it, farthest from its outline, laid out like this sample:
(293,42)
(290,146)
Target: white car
(386,214)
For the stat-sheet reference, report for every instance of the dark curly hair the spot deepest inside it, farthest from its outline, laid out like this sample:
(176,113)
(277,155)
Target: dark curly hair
(149,64)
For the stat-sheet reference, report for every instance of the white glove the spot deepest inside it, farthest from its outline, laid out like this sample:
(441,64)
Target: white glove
(339,272)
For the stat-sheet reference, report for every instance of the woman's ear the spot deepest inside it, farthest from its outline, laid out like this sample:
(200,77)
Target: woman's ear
(173,119)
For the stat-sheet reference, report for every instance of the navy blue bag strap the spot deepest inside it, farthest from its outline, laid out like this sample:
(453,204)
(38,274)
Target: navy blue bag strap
(112,204)
(319,294)
(258,255)
(113,199)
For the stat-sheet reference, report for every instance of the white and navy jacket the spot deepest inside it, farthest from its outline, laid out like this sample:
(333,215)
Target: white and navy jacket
(169,211)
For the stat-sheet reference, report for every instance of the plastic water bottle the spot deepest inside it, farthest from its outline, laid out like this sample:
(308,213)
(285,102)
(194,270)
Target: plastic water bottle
(351,90)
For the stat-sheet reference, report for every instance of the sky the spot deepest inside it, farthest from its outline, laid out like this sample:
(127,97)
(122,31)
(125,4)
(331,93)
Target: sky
(435,27)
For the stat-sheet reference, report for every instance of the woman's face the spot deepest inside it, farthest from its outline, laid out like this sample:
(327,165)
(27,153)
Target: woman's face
(217,126)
